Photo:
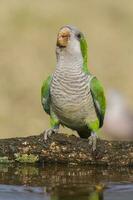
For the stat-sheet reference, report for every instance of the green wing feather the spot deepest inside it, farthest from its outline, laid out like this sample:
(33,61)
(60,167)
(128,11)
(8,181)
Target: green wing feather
(45,94)
(98,98)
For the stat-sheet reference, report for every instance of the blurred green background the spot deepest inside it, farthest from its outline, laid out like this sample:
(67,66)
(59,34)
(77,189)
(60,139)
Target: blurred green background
(28,32)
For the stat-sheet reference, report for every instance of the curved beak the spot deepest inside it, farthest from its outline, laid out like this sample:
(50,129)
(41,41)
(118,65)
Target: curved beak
(63,36)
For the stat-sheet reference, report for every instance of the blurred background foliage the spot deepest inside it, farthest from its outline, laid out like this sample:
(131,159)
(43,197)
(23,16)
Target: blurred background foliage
(28,32)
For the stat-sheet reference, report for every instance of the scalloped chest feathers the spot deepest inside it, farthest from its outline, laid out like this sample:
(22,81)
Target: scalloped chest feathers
(71,97)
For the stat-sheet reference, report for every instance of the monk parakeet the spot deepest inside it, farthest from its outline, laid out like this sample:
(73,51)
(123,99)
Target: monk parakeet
(72,96)
(97,194)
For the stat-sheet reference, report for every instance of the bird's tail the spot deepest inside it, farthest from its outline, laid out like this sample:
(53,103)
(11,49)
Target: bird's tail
(84,132)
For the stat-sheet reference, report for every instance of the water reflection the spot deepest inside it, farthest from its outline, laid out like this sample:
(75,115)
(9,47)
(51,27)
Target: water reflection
(97,194)
(62,182)
(10,192)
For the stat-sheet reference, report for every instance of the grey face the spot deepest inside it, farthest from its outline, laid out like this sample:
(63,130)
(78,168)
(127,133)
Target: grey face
(68,40)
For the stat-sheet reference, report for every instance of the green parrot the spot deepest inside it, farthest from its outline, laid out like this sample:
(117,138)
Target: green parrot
(97,194)
(72,96)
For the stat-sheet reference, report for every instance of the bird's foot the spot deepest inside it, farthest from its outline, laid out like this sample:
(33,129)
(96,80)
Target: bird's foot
(93,140)
(49,132)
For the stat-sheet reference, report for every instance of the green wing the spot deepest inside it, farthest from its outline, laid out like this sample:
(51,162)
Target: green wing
(45,94)
(98,98)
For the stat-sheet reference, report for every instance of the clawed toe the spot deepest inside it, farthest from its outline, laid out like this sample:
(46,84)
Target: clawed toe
(93,141)
(49,132)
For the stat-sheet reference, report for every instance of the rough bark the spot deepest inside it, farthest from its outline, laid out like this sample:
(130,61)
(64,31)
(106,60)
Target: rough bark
(68,150)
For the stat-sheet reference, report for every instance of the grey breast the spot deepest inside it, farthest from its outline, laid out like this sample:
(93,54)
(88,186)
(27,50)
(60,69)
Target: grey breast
(71,97)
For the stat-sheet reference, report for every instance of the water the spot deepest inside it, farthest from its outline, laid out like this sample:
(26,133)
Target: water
(72,182)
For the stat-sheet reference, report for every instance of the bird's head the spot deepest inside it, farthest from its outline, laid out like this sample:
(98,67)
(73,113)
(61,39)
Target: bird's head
(71,41)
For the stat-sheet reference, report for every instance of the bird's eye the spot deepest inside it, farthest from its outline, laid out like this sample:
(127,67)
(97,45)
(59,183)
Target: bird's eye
(79,36)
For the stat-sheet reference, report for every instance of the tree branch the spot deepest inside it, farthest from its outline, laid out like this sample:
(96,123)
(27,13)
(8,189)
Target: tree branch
(63,149)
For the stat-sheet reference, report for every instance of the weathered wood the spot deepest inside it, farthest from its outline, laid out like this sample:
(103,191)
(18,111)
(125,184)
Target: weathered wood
(63,149)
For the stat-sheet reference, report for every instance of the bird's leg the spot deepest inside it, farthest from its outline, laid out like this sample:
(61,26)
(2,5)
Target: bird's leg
(93,126)
(50,131)
(93,140)
(54,124)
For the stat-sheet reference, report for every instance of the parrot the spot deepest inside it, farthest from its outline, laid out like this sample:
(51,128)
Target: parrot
(72,96)
(97,194)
